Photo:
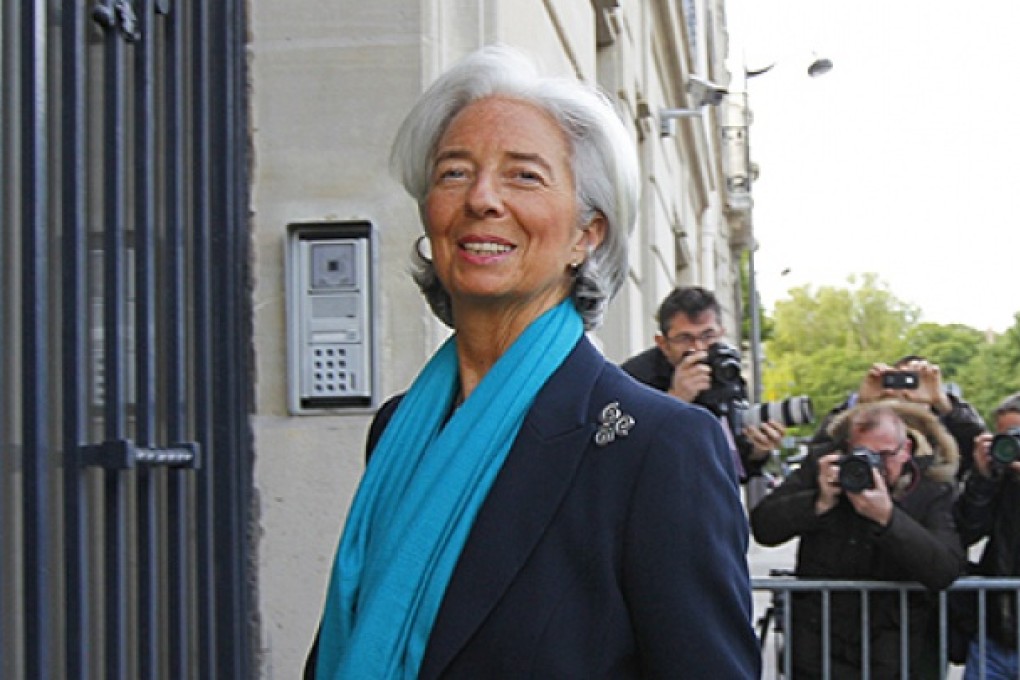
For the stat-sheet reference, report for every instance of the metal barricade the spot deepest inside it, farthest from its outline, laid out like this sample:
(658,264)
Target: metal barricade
(775,619)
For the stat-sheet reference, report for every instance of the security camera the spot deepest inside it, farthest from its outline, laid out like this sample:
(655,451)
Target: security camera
(705,92)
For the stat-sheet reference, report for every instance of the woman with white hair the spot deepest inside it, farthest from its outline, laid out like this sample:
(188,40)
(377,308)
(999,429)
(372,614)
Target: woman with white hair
(528,510)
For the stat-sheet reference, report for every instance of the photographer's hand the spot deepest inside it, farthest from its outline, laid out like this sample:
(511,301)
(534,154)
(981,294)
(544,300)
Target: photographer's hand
(691,376)
(929,389)
(828,483)
(765,438)
(982,454)
(871,387)
(876,503)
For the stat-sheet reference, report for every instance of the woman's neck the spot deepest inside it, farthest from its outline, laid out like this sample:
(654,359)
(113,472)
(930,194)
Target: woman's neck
(483,337)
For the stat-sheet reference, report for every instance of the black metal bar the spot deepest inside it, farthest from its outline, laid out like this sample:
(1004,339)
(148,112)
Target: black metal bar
(115,522)
(8,44)
(178,568)
(147,483)
(74,339)
(205,519)
(232,469)
(36,489)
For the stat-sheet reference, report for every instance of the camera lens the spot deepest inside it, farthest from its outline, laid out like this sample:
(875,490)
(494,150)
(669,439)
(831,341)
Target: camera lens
(855,470)
(790,411)
(1006,447)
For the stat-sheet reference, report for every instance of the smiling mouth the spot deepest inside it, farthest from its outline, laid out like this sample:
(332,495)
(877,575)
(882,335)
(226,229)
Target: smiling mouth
(486,248)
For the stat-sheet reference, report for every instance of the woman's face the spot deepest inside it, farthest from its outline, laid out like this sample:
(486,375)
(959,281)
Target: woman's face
(501,211)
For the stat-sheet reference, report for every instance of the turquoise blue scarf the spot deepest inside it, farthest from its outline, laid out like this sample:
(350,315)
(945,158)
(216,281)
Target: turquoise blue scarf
(418,500)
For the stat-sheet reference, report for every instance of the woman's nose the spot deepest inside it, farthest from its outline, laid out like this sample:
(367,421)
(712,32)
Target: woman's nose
(483,197)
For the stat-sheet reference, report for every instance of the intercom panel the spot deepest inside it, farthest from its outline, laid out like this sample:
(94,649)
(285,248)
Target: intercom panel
(331,317)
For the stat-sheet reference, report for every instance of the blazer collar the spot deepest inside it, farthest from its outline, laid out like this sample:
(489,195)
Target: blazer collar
(538,472)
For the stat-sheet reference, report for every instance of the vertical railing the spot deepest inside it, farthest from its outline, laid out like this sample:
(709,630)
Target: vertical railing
(8,29)
(147,478)
(178,558)
(125,468)
(228,123)
(37,519)
(114,403)
(74,338)
(201,322)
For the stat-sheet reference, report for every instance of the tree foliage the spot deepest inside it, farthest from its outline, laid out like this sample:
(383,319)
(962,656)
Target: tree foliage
(823,341)
(994,371)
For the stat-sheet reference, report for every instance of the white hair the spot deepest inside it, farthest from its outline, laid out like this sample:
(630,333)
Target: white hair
(603,157)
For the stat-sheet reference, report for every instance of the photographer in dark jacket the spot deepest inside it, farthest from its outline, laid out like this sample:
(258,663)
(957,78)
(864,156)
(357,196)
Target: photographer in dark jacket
(690,324)
(895,525)
(959,418)
(990,506)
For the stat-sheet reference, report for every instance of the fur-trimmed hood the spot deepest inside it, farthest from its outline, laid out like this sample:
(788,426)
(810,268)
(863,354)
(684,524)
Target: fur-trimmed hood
(935,450)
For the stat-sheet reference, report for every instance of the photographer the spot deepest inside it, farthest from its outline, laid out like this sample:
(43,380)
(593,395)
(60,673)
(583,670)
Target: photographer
(990,506)
(915,379)
(689,326)
(874,505)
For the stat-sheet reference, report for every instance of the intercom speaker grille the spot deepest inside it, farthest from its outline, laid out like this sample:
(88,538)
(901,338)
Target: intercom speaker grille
(334,306)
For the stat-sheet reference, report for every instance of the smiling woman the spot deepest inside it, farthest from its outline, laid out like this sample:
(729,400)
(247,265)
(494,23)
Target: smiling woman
(528,509)
(502,217)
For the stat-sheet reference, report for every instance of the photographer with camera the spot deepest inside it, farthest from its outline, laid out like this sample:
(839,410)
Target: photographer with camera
(914,379)
(875,504)
(692,362)
(990,506)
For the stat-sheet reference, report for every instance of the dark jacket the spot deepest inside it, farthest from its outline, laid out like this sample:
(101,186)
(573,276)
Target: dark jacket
(963,422)
(653,369)
(920,544)
(991,507)
(625,560)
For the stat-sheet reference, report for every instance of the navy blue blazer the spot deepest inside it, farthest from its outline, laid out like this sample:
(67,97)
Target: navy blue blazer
(625,560)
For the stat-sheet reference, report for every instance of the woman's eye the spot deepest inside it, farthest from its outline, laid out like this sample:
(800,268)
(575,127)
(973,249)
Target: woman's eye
(449,173)
(529,175)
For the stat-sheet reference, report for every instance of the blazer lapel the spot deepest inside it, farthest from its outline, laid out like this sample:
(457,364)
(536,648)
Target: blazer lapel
(537,474)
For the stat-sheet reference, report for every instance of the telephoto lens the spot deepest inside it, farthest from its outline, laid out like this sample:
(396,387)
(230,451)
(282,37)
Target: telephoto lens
(1006,446)
(790,411)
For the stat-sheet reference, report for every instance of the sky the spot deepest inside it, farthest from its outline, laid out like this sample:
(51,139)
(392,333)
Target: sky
(903,160)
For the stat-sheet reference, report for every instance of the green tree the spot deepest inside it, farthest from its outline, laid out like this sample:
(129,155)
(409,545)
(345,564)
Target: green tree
(952,347)
(824,340)
(993,372)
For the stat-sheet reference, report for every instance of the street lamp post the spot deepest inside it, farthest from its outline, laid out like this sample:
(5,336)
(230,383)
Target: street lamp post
(820,66)
(752,295)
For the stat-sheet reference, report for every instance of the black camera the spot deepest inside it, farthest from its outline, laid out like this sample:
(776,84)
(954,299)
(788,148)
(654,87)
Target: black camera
(855,469)
(790,411)
(726,395)
(900,380)
(1005,446)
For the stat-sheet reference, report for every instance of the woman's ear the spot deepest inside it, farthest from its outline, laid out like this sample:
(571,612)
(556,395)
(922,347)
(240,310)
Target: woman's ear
(596,230)
(594,233)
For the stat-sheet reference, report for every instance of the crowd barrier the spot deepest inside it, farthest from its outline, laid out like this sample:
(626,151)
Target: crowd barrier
(773,618)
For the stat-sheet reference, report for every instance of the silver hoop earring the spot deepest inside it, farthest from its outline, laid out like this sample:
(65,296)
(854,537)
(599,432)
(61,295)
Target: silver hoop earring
(423,247)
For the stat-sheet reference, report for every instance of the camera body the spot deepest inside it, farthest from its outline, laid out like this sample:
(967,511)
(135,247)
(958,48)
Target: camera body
(726,396)
(900,380)
(1005,447)
(855,469)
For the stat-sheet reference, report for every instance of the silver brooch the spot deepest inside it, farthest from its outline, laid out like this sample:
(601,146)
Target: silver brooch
(613,423)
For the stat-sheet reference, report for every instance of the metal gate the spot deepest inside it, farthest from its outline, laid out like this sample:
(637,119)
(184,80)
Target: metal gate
(125,453)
